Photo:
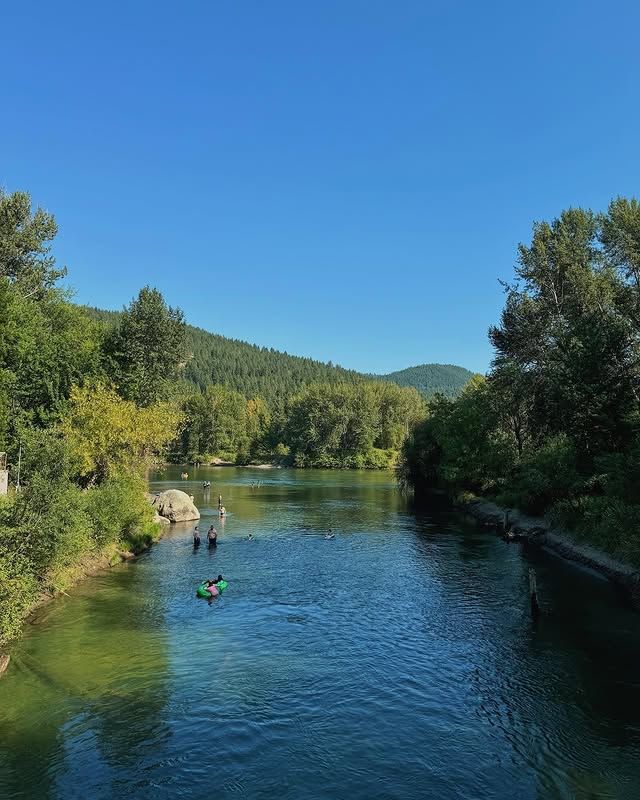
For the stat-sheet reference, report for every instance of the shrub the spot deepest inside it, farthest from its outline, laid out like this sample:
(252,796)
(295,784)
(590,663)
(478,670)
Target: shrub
(544,477)
(118,509)
(607,523)
(18,588)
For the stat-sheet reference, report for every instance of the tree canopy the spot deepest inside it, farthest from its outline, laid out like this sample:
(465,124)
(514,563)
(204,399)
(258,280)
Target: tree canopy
(557,421)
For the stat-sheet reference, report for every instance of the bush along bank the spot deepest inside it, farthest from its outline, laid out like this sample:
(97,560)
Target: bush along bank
(83,497)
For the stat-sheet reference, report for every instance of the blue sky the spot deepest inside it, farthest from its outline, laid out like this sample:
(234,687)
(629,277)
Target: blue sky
(345,180)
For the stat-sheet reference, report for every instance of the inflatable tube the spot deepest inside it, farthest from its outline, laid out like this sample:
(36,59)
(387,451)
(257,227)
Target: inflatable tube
(222,585)
(202,591)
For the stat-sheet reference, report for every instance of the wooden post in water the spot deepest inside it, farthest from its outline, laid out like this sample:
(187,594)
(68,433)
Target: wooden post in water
(533,593)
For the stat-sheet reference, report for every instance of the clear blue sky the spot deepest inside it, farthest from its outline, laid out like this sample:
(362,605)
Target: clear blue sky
(340,179)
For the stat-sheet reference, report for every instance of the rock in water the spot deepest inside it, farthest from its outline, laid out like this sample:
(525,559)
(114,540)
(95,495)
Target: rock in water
(176,506)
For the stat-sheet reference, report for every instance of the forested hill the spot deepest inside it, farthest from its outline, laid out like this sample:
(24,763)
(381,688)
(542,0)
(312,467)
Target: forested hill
(429,379)
(275,375)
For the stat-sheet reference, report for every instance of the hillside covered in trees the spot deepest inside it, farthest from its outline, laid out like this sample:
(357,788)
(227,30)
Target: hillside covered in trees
(213,359)
(431,379)
(555,427)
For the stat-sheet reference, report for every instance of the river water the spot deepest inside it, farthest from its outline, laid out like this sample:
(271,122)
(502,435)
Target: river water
(397,660)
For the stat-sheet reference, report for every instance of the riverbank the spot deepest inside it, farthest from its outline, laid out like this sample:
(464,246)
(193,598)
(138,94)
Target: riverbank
(87,567)
(537,531)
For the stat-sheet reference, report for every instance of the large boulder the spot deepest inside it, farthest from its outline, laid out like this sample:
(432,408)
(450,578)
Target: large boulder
(176,506)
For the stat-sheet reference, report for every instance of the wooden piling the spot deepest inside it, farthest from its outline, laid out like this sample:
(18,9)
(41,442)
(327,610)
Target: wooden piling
(533,593)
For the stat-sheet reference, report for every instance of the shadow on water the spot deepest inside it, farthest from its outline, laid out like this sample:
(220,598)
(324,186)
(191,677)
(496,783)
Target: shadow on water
(554,686)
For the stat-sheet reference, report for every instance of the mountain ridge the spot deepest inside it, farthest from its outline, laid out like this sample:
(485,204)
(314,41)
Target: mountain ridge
(275,375)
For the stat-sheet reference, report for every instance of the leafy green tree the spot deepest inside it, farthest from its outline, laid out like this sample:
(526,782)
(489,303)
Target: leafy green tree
(47,344)
(147,348)
(561,408)
(461,445)
(110,437)
(620,237)
(216,425)
(25,238)
(258,427)
(350,425)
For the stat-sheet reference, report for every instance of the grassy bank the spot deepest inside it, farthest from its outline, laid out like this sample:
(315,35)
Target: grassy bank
(52,535)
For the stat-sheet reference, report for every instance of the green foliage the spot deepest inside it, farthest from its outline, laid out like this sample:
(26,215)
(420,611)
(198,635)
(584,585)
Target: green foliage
(216,424)
(544,476)
(109,436)
(607,523)
(460,445)
(431,379)
(119,511)
(349,425)
(25,238)
(147,348)
(48,520)
(556,428)
(52,524)
(46,346)
(18,591)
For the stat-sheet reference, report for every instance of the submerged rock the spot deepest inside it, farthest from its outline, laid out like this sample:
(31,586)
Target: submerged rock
(176,506)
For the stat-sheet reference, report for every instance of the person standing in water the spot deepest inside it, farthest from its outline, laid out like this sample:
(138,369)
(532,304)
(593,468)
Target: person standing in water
(212,537)
(219,502)
(196,537)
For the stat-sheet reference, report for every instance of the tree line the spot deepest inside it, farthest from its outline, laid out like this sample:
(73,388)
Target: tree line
(332,425)
(554,428)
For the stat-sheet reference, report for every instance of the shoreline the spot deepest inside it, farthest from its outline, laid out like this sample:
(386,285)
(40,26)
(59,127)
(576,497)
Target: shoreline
(538,532)
(90,565)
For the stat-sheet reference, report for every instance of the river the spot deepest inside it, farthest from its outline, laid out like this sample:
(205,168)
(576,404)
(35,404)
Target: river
(397,660)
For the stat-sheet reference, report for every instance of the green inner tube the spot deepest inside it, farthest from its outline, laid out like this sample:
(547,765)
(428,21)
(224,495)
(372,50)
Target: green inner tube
(222,585)
(201,591)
